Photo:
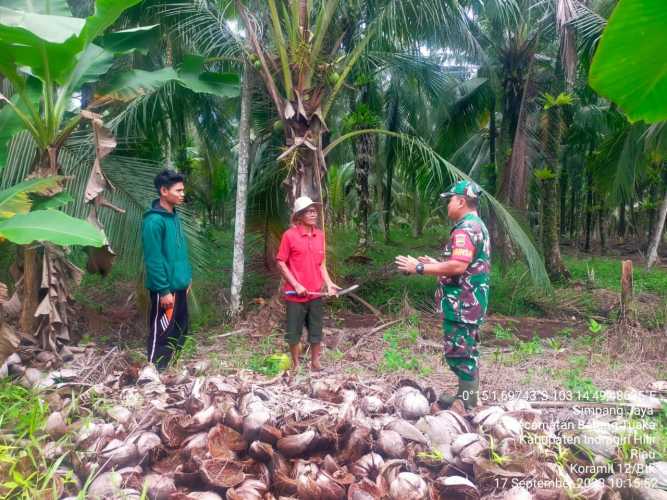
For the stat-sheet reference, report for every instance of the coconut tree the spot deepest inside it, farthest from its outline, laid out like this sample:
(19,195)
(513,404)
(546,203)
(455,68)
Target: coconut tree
(305,54)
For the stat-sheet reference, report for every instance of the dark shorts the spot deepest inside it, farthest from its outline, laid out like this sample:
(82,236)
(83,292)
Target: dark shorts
(309,314)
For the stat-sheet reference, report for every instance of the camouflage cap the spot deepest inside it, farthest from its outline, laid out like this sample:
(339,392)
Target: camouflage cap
(463,188)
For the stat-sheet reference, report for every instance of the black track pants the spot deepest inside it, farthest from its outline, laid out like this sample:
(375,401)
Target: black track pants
(165,336)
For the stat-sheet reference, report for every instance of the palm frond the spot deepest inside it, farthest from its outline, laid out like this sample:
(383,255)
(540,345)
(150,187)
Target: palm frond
(440,173)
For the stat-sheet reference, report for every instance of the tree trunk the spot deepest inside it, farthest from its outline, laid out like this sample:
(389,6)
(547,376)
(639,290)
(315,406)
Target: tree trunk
(492,140)
(551,201)
(627,306)
(364,150)
(652,254)
(47,165)
(391,160)
(550,226)
(621,221)
(564,178)
(303,159)
(573,202)
(32,278)
(589,211)
(241,195)
(602,229)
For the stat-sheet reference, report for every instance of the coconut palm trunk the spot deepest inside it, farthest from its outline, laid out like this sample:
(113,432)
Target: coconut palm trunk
(393,126)
(657,234)
(364,150)
(551,203)
(241,195)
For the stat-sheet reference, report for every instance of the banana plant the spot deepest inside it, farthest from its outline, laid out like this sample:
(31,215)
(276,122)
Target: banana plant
(47,56)
(22,225)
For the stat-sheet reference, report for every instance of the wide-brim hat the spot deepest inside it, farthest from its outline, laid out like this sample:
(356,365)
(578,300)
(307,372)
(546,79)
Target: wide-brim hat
(302,203)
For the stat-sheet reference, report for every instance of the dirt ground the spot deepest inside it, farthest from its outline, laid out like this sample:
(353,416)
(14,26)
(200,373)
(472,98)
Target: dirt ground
(567,353)
(568,357)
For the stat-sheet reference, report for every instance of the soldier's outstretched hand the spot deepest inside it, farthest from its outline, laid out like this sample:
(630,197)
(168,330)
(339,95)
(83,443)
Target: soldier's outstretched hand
(406,264)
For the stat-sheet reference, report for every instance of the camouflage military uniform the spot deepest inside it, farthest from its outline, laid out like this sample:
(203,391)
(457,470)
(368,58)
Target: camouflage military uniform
(464,299)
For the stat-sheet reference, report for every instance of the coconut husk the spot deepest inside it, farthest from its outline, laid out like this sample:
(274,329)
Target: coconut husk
(168,464)
(325,440)
(319,486)
(254,421)
(279,464)
(221,474)
(368,466)
(550,494)
(203,419)
(489,476)
(407,431)
(173,430)
(487,417)
(296,444)
(262,452)
(390,444)
(408,486)
(371,405)
(270,434)
(149,446)
(184,477)
(232,418)
(330,465)
(343,477)
(283,484)
(55,425)
(507,427)
(469,447)
(455,488)
(159,486)
(257,470)
(232,439)
(120,453)
(364,490)
(357,443)
(250,489)
(410,403)
(195,495)
(389,472)
(194,405)
(106,485)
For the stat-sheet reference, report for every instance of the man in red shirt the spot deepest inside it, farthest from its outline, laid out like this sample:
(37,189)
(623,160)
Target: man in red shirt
(302,261)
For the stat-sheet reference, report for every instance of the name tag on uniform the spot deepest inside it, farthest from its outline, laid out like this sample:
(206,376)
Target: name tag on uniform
(462,252)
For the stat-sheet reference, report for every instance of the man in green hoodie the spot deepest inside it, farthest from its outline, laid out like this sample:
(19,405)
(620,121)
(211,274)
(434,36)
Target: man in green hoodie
(168,270)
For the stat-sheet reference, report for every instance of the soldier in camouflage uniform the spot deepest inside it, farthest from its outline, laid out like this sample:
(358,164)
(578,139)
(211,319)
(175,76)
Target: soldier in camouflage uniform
(463,292)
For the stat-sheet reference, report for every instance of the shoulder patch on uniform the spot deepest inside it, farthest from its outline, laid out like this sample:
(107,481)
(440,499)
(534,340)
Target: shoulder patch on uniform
(460,240)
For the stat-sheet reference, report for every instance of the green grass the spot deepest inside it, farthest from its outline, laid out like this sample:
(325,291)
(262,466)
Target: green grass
(607,273)
(24,472)
(21,410)
(398,353)
(503,333)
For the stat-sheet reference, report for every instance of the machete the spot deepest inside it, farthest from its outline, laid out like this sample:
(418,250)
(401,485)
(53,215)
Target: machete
(324,294)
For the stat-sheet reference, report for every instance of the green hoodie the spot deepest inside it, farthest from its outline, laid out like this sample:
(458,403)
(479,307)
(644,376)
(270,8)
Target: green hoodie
(165,251)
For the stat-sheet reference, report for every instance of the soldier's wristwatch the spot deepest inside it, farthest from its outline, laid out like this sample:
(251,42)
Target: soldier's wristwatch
(419,268)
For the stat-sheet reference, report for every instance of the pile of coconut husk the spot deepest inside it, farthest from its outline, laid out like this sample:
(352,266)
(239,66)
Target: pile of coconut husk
(190,435)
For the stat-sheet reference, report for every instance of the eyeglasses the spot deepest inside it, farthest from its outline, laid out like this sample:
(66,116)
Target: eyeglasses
(310,211)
